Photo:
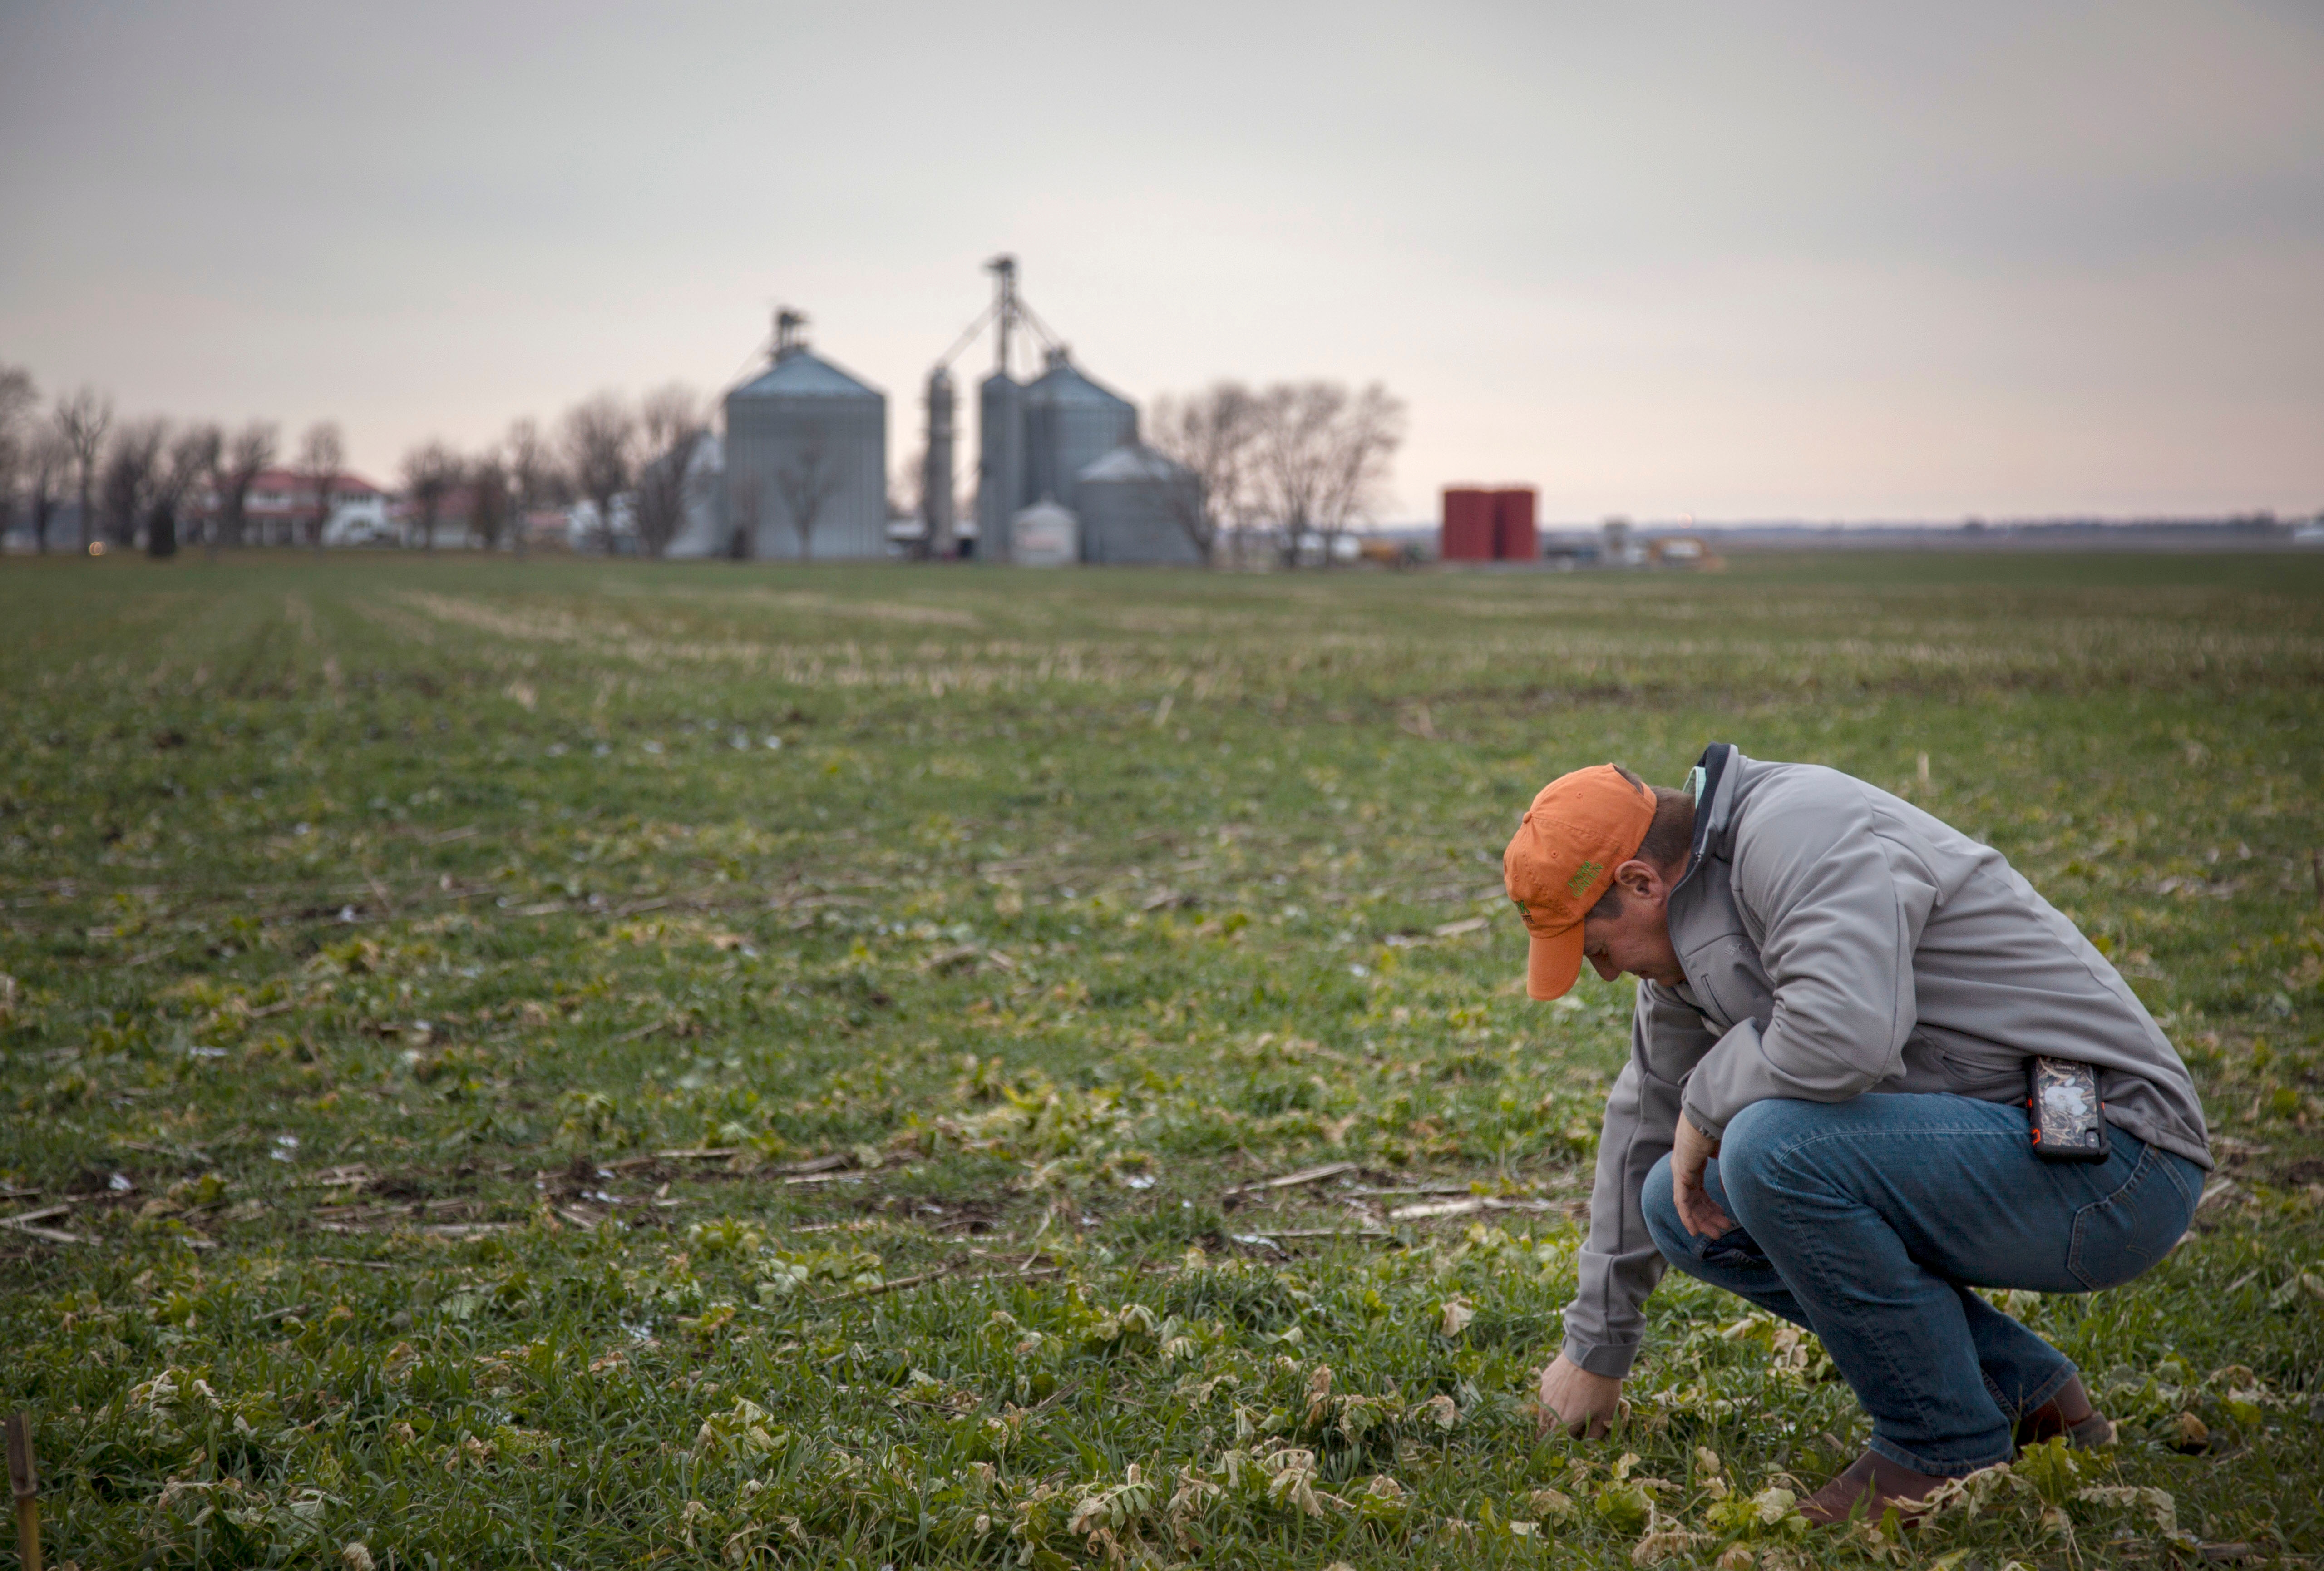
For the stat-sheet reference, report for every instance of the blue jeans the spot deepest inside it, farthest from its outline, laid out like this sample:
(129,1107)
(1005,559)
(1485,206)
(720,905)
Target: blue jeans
(1867,1221)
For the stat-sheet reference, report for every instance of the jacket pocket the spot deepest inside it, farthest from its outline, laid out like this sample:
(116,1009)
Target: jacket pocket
(1728,978)
(2118,1238)
(1988,1074)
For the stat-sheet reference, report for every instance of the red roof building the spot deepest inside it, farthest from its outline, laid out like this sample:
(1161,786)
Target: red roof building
(281,508)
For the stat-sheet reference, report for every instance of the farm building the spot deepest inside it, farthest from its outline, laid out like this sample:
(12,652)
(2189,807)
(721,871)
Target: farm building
(1041,443)
(1045,535)
(1489,526)
(702,530)
(1134,504)
(806,457)
(1071,421)
(1035,438)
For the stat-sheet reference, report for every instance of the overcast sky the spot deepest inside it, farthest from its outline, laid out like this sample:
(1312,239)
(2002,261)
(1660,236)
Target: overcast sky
(1729,259)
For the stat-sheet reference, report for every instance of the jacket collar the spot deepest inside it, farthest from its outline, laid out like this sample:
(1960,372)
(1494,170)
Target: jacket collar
(1714,781)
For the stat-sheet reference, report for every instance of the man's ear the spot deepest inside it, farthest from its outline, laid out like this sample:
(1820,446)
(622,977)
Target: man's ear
(1636,877)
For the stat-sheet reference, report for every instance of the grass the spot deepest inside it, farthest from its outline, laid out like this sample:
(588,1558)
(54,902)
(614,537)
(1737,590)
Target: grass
(581,1063)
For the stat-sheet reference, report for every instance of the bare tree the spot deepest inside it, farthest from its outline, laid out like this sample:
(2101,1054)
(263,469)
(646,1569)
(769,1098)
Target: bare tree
(432,472)
(1213,434)
(1321,452)
(48,462)
(660,499)
(1363,445)
(241,461)
(667,415)
(533,469)
(1293,449)
(600,438)
(805,484)
(489,498)
(83,418)
(907,496)
(908,486)
(193,456)
(322,459)
(133,467)
(17,398)
(670,421)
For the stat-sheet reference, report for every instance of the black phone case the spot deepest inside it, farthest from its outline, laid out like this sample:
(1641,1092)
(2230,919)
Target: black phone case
(2067,1119)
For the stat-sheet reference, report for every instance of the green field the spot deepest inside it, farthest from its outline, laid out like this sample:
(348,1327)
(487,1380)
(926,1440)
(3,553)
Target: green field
(587,1064)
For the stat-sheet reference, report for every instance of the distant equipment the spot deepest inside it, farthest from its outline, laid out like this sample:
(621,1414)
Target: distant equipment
(1621,549)
(806,443)
(1686,551)
(1482,525)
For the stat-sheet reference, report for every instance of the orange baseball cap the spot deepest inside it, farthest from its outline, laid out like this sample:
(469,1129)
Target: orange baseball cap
(1580,828)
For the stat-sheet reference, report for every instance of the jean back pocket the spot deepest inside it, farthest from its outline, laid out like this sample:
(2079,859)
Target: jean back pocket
(2121,1237)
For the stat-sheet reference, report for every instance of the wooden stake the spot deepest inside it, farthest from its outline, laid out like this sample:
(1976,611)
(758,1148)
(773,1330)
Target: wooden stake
(26,1485)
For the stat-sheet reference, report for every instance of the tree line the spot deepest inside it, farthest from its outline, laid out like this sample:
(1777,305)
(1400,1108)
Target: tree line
(162,484)
(1288,465)
(1286,468)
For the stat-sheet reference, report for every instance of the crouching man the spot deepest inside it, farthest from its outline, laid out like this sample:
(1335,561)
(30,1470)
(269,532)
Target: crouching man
(1840,1001)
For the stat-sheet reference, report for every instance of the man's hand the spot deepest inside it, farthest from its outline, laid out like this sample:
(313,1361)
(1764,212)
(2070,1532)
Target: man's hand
(1578,1402)
(1689,1153)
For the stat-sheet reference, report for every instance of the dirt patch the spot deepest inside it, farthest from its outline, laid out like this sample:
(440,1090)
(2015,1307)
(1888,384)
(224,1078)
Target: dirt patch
(96,1180)
(972,1217)
(399,1187)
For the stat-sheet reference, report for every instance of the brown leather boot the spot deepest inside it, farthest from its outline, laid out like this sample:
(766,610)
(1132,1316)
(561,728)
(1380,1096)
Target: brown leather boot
(2068,1413)
(1875,1483)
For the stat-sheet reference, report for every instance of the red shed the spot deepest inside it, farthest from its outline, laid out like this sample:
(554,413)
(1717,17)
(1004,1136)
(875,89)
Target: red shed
(1484,525)
(1469,533)
(1513,540)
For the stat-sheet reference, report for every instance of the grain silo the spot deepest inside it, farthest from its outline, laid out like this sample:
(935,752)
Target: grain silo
(1045,535)
(1070,423)
(1000,461)
(1034,439)
(935,467)
(806,457)
(1000,420)
(1135,506)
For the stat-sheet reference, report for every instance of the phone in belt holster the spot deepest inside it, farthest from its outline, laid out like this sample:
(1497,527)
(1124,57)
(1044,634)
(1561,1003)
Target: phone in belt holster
(2067,1118)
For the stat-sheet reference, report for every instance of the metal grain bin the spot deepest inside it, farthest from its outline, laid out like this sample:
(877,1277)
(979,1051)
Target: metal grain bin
(935,467)
(806,441)
(1070,423)
(1045,535)
(1134,507)
(1000,460)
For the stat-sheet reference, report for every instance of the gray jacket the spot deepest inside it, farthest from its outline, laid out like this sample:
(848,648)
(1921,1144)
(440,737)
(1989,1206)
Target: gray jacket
(1837,940)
